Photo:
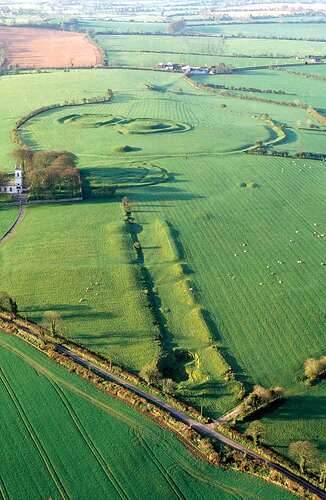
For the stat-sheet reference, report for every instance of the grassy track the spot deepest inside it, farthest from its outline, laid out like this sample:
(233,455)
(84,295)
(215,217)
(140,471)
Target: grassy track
(105,440)
(7,218)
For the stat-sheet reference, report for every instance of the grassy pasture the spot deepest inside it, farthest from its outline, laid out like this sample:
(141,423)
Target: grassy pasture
(58,275)
(312,94)
(99,25)
(194,120)
(150,59)
(265,331)
(7,218)
(62,85)
(293,30)
(301,415)
(269,328)
(211,45)
(56,420)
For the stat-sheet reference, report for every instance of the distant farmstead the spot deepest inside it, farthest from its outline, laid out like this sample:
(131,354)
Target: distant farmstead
(172,67)
(13,182)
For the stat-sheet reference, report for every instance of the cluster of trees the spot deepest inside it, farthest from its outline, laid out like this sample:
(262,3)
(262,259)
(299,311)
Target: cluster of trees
(176,26)
(260,397)
(52,321)
(153,376)
(314,368)
(7,303)
(304,453)
(48,172)
(260,149)
(248,89)
(222,68)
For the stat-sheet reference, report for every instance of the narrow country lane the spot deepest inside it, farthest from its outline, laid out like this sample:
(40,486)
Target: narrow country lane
(202,429)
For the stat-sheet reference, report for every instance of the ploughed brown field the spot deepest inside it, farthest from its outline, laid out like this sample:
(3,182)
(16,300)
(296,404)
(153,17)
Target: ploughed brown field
(46,48)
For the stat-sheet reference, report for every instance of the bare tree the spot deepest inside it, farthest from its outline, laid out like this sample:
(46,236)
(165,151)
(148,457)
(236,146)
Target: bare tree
(256,430)
(314,367)
(150,373)
(52,321)
(7,303)
(304,452)
(169,386)
(322,470)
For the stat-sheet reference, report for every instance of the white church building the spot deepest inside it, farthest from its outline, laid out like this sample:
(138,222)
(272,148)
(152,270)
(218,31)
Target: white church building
(14,184)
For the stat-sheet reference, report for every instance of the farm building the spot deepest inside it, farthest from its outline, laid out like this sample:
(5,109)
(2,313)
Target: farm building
(14,182)
(195,70)
(169,66)
(314,60)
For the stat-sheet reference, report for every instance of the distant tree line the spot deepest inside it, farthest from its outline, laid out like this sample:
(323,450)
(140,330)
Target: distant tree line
(248,89)
(176,26)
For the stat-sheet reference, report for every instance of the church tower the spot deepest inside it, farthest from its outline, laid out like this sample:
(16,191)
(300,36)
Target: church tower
(19,178)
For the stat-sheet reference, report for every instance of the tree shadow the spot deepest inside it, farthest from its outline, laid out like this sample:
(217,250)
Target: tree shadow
(162,193)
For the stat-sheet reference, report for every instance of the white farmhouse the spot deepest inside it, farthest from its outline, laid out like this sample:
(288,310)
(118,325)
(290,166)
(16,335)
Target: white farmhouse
(14,184)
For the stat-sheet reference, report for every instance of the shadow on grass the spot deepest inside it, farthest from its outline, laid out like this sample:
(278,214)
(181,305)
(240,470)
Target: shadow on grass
(67,311)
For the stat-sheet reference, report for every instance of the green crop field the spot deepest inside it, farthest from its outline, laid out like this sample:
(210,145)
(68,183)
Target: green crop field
(57,420)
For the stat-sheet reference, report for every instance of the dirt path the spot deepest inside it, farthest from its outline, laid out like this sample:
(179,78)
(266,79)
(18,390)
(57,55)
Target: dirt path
(13,227)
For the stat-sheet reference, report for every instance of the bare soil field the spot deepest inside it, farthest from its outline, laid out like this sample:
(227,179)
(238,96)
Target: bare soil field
(43,48)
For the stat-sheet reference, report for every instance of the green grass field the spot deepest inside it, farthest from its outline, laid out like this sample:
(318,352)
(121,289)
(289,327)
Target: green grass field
(79,279)
(211,46)
(7,218)
(303,31)
(76,442)
(151,59)
(99,25)
(240,245)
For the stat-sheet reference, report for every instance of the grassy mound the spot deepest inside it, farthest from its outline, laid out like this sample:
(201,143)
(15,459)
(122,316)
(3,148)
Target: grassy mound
(126,149)
(169,244)
(150,126)
(249,184)
(92,120)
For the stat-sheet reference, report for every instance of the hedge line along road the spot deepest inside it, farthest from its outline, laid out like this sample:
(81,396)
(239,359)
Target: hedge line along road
(202,429)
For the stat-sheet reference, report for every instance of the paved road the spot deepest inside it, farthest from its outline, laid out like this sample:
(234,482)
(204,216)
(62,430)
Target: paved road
(14,225)
(202,429)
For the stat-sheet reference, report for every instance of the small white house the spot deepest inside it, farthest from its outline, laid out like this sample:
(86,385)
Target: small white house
(14,184)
